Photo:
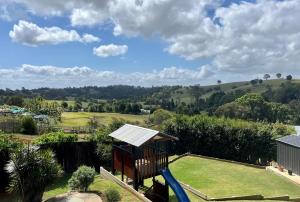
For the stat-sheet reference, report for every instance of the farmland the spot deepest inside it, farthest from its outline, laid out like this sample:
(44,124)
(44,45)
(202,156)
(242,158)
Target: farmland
(75,119)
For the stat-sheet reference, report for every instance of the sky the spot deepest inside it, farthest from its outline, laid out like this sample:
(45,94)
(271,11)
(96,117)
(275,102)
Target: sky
(72,43)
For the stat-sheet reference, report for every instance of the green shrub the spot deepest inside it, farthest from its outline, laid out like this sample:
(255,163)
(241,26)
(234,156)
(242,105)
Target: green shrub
(112,195)
(7,142)
(56,137)
(82,178)
(160,115)
(31,170)
(28,125)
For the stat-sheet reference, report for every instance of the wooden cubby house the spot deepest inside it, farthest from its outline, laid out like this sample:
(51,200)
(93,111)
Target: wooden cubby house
(140,153)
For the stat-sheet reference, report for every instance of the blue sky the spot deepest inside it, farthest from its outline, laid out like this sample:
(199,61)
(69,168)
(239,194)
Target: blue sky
(144,54)
(140,42)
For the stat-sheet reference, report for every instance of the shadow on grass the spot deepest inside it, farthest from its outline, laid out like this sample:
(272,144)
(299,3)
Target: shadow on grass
(60,182)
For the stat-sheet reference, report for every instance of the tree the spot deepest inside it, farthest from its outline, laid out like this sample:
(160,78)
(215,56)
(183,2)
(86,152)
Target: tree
(93,123)
(28,125)
(289,77)
(267,76)
(278,75)
(64,105)
(160,116)
(16,101)
(219,81)
(254,82)
(31,170)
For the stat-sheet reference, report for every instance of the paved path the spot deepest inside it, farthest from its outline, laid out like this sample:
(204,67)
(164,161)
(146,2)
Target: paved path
(293,177)
(76,197)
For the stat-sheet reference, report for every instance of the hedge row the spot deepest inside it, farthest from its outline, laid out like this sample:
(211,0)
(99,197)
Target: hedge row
(237,140)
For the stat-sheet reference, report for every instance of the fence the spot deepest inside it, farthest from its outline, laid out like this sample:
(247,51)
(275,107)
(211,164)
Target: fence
(70,155)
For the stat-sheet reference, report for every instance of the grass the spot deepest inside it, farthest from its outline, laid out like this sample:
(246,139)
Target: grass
(75,119)
(60,186)
(221,179)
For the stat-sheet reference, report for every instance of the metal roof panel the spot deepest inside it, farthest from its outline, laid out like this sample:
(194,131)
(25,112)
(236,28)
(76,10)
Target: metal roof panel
(293,140)
(134,135)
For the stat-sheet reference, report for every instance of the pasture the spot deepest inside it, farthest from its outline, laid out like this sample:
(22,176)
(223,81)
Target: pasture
(76,119)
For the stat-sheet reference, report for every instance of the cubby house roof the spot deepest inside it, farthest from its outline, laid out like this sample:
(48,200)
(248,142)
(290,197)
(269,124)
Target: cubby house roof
(137,136)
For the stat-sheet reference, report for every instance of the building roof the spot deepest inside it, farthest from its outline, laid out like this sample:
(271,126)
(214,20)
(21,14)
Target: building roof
(137,136)
(293,140)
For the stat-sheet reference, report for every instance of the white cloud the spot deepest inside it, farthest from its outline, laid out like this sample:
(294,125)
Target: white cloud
(258,37)
(31,76)
(110,50)
(31,34)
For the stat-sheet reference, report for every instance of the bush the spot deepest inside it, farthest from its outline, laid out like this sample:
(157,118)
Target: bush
(112,195)
(160,115)
(28,125)
(7,142)
(31,170)
(82,178)
(231,139)
(56,137)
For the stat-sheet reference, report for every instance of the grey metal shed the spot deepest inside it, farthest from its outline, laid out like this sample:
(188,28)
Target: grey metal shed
(288,153)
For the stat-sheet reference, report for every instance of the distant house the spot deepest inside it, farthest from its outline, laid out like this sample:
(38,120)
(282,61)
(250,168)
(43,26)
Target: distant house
(288,153)
(41,117)
(145,111)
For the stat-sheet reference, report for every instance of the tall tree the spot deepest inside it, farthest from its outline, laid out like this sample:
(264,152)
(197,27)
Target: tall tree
(289,77)
(267,76)
(278,75)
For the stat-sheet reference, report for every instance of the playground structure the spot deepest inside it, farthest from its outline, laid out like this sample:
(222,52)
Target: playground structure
(141,153)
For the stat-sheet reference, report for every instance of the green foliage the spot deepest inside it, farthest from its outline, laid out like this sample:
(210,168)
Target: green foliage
(289,77)
(103,151)
(64,105)
(56,137)
(7,142)
(28,125)
(31,170)
(226,138)
(82,178)
(112,195)
(15,101)
(40,106)
(254,107)
(160,115)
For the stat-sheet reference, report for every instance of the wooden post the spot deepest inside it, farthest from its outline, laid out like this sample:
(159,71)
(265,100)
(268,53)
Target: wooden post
(122,162)
(135,178)
(113,171)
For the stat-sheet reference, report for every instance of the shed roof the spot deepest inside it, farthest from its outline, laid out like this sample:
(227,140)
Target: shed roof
(136,135)
(293,140)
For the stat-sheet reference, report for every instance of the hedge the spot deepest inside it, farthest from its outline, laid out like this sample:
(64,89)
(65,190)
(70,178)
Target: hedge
(238,140)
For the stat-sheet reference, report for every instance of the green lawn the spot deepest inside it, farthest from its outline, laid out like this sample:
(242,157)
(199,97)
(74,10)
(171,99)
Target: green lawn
(218,179)
(60,186)
(75,119)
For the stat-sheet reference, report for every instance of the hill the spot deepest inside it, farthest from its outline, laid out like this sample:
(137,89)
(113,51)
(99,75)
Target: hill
(178,93)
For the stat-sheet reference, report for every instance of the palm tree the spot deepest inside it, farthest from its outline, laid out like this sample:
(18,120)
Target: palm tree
(31,170)
(219,81)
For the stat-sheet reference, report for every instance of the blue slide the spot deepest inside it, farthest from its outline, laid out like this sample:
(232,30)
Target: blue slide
(178,190)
